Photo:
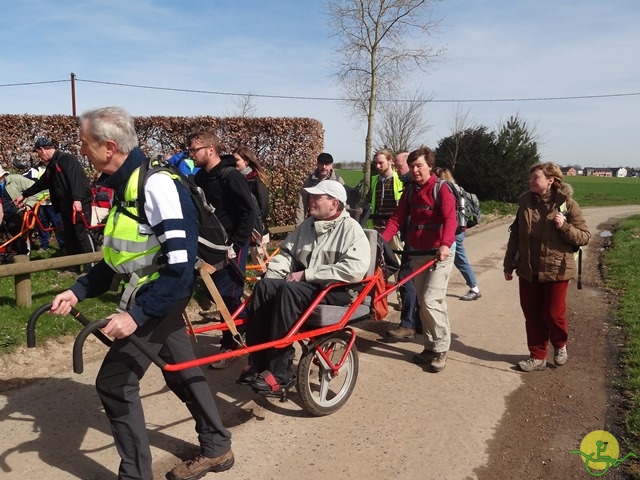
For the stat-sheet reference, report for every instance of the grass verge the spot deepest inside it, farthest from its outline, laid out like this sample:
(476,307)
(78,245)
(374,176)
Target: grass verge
(623,275)
(44,286)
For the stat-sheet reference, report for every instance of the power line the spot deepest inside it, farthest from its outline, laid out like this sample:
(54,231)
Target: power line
(332,99)
(31,83)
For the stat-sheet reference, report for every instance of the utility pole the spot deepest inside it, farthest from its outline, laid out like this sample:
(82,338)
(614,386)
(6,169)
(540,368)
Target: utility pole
(73,94)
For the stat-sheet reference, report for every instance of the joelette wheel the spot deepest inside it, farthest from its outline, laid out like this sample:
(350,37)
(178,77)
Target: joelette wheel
(322,392)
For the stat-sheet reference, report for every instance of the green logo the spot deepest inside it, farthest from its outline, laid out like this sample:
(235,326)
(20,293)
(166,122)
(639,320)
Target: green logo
(600,451)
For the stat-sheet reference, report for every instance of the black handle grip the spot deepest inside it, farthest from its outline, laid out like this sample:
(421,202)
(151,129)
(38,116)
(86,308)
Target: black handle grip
(78,365)
(31,325)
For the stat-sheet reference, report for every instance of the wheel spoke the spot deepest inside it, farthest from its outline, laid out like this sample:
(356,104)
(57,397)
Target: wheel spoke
(325,381)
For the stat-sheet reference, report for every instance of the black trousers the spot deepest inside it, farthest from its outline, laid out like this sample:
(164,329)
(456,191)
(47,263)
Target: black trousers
(13,223)
(118,385)
(76,235)
(275,308)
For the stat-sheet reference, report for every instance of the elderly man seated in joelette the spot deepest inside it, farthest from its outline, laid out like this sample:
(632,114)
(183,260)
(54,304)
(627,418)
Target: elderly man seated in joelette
(326,248)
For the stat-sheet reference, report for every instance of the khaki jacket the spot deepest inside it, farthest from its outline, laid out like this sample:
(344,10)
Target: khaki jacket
(536,247)
(329,251)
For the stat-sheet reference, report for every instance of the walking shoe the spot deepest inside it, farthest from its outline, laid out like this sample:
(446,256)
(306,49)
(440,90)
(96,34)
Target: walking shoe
(439,361)
(398,306)
(199,466)
(532,364)
(423,358)
(560,356)
(225,362)
(400,333)
(470,295)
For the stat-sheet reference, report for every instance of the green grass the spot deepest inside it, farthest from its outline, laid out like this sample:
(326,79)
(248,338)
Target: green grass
(44,286)
(623,275)
(350,177)
(601,191)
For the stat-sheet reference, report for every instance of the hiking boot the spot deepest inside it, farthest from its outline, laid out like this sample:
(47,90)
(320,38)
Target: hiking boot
(423,358)
(439,361)
(199,466)
(225,362)
(560,356)
(531,364)
(470,296)
(400,333)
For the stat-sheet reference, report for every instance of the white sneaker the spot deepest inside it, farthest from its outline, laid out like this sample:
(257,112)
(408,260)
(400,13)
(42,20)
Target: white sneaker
(560,356)
(532,364)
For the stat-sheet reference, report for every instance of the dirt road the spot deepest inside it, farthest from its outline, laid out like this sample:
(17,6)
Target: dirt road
(479,418)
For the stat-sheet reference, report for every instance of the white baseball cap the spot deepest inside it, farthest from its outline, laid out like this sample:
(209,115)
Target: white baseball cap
(329,187)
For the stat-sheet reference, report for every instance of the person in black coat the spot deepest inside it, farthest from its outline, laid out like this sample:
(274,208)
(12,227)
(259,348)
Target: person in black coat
(69,191)
(228,192)
(249,166)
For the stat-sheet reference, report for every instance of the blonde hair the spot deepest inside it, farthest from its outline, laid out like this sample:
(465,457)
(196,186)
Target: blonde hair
(550,170)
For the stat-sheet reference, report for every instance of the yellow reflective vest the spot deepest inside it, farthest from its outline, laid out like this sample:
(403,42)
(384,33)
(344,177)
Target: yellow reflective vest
(130,248)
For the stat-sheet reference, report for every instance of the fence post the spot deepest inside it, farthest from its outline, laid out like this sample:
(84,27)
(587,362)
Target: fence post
(23,284)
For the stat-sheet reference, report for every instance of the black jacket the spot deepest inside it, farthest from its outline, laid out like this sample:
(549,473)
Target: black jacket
(261,193)
(228,191)
(66,181)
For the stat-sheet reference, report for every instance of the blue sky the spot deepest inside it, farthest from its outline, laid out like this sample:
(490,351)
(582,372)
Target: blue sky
(495,50)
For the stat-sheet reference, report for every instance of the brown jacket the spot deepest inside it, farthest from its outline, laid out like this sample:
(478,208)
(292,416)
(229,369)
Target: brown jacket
(536,246)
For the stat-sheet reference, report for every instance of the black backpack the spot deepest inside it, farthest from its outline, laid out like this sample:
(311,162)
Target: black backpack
(213,240)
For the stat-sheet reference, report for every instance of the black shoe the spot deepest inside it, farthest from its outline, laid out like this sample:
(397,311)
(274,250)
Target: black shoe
(267,382)
(247,376)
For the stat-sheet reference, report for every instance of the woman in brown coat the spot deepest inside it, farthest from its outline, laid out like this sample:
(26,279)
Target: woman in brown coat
(548,229)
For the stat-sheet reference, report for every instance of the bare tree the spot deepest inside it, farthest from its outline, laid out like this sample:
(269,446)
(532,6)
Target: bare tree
(461,123)
(379,43)
(402,122)
(245,106)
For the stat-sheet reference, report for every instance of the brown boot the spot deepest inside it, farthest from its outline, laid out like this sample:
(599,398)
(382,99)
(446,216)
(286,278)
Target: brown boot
(400,333)
(201,465)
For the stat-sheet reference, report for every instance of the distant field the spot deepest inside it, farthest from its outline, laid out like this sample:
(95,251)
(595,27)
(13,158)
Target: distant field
(601,191)
(588,191)
(350,177)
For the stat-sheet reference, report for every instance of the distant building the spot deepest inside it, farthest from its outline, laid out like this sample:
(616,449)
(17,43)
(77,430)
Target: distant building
(569,171)
(600,171)
(621,173)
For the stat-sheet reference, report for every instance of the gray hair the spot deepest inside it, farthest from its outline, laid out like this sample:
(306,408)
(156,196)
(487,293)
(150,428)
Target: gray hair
(112,123)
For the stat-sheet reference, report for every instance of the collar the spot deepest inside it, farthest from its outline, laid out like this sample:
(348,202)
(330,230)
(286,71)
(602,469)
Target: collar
(119,179)
(323,226)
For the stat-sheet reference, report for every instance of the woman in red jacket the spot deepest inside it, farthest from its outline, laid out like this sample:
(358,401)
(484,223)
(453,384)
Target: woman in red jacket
(431,227)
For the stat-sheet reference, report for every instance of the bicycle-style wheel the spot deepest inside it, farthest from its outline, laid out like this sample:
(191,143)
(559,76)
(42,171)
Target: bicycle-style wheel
(322,392)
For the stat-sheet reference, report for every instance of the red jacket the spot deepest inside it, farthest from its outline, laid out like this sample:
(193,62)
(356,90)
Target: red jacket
(419,203)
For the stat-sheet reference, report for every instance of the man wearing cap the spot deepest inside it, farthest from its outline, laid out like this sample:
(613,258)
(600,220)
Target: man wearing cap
(323,171)
(10,215)
(70,193)
(328,247)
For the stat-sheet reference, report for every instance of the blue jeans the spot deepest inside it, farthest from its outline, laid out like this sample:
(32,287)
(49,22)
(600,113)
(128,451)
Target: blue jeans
(410,314)
(49,217)
(462,262)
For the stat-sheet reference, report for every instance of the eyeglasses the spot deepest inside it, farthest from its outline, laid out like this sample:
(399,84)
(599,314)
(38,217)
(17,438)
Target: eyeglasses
(193,151)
